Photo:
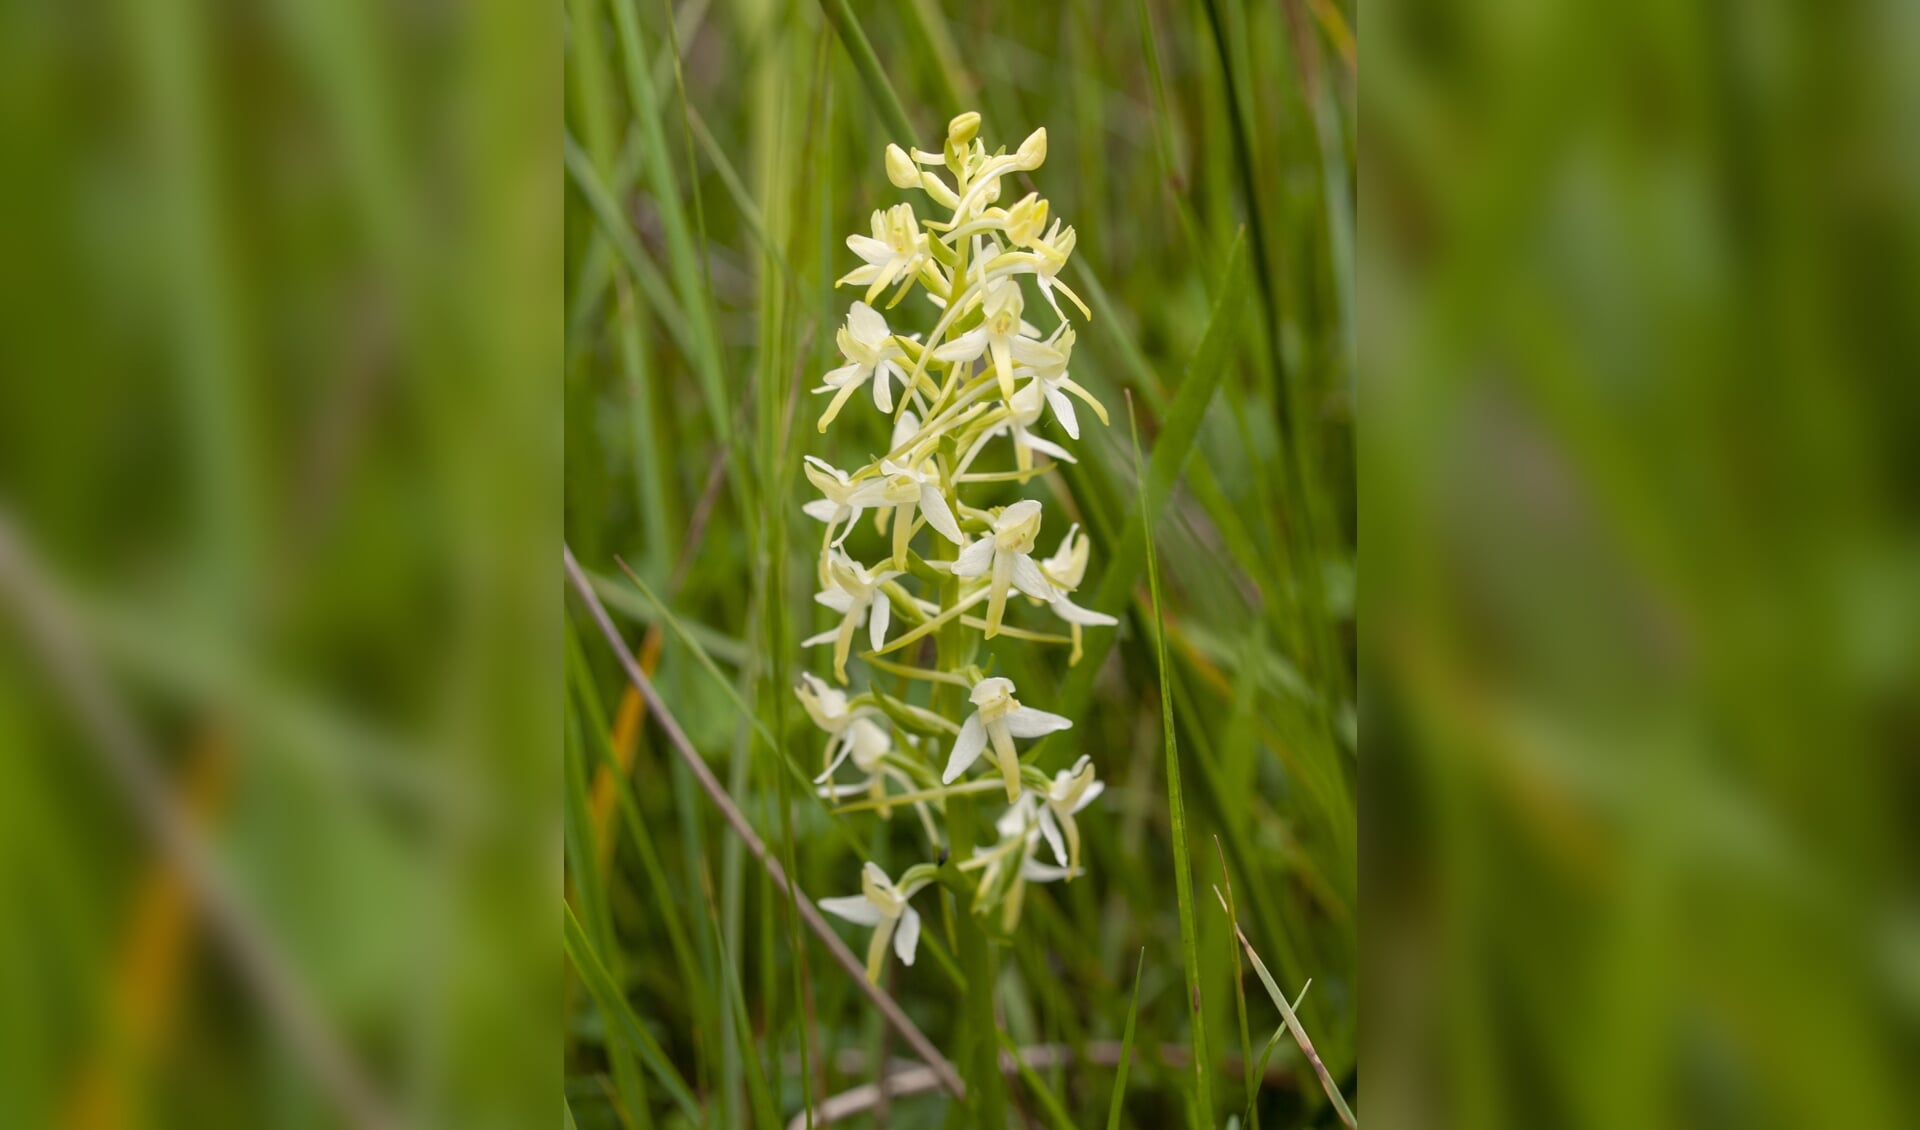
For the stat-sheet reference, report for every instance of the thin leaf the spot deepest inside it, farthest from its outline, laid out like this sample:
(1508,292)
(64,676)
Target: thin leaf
(1176,810)
(1126,1046)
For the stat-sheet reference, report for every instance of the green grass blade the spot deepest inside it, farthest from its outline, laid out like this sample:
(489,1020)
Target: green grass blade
(1176,809)
(763,1110)
(1126,1046)
(878,85)
(1204,374)
(613,1004)
(1239,993)
(1050,1102)
(1293,1022)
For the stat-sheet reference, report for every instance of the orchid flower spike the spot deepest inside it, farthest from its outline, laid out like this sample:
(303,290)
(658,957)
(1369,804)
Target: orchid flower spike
(998,719)
(883,906)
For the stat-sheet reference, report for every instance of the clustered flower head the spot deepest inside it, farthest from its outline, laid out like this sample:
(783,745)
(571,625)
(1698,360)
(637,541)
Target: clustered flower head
(981,373)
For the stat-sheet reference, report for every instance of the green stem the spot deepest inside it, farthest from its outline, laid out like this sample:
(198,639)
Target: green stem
(980,1050)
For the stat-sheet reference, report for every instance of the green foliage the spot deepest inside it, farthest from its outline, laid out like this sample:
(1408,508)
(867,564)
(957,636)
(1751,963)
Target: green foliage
(1236,351)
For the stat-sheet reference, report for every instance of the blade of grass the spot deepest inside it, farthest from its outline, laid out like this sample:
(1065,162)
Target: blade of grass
(1273,1041)
(685,256)
(1176,809)
(613,1005)
(892,114)
(763,1109)
(1292,1021)
(1048,1100)
(663,718)
(1126,1046)
(1239,993)
(1155,485)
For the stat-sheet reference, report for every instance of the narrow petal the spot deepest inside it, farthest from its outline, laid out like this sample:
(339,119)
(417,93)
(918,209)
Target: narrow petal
(1099,409)
(997,591)
(1050,828)
(975,559)
(1027,722)
(838,792)
(868,248)
(1007,756)
(1063,412)
(1035,443)
(963,348)
(906,939)
(966,749)
(1003,362)
(877,949)
(853,908)
(877,620)
(1028,578)
(837,753)
(835,378)
(1074,614)
(839,401)
(1034,871)
(934,505)
(1086,798)
(823,637)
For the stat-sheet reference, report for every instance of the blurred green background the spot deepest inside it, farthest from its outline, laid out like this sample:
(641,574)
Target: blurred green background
(715,167)
(1638,351)
(279,479)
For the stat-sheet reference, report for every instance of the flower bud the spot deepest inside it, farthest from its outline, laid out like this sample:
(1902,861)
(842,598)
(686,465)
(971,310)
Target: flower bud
(962,128)
(900,168)
(1033,151)
(1026,219)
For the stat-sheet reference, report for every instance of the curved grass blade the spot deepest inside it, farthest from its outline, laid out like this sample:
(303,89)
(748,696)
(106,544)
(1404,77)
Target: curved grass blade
(613,1004)
(1293,1022)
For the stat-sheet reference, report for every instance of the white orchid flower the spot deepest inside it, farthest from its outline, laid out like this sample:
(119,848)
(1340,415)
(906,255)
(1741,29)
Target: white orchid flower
(998,719)
(883,906)
(1005,556)
(1064,571)
(868,745)
(1050,375)
(1072,790)
(906,488)
(1020,838)
(837,505)
(872,354)
(855,593)
(1002,334)
(827,706)
(895,251)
